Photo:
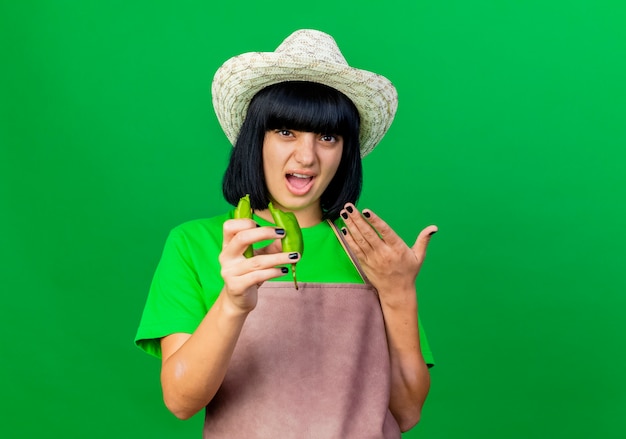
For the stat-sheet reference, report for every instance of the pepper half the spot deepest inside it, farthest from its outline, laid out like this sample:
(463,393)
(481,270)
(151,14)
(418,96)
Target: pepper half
(293,241)
(243,210)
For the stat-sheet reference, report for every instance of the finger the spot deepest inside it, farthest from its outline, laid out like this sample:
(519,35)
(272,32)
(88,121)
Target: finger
(352,244)
(360,230)
(422,241)
(256,278)
(358,247)
(260,276)
(242,273)
(259,263)
(385,232)
(237,237)
(233,226)
(274,247)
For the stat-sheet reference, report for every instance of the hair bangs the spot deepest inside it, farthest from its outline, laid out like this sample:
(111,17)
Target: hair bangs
(310,107)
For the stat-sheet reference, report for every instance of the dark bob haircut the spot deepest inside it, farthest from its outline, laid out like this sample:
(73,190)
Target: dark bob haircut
(301,106)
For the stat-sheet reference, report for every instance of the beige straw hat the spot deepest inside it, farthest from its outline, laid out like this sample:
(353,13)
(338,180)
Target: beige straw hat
(305,55)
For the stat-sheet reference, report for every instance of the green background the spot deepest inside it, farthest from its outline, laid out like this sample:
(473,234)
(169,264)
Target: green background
(510,135)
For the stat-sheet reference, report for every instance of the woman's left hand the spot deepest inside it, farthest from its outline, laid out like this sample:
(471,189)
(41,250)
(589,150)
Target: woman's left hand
(388,262)
(392,267)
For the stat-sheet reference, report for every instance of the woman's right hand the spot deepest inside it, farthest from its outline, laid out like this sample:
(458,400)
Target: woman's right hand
(194,365)
(242,276)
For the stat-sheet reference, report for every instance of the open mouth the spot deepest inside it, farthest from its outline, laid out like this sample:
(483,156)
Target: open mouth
(299,183)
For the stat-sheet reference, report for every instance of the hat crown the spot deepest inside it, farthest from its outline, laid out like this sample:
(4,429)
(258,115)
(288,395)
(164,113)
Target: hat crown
(309,43)
(305,55)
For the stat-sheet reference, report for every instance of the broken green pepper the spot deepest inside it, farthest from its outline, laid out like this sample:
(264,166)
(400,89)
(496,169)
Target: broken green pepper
(292,242)
(243,210)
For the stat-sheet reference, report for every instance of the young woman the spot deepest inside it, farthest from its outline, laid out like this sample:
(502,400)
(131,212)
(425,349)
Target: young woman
(344,355)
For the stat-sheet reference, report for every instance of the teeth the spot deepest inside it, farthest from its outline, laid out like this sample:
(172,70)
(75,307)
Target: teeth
(301,175)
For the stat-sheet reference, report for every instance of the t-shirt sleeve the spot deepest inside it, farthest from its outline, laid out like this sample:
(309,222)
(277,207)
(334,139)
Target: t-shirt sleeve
(177,301)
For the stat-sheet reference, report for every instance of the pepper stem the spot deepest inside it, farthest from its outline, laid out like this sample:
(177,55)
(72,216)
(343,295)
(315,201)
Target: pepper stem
(293,271)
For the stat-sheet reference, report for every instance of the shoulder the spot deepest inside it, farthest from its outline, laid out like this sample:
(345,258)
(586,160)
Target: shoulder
(202,226)
(198,234)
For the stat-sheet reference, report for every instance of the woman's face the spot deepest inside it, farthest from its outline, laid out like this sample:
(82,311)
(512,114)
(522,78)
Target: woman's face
(298,168)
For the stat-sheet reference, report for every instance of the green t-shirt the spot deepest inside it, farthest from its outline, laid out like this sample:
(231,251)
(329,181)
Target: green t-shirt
(187,280)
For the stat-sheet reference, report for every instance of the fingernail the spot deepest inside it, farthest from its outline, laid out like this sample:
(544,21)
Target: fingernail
(285,270)
(366,214)
(344,215)
(293,255)
(349,209)
(280,231)
(344,231)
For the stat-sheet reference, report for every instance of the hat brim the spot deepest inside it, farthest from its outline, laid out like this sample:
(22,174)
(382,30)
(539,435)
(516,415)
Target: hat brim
(240,78)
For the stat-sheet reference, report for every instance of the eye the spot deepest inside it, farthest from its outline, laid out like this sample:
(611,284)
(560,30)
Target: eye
(328,138)
(284,132)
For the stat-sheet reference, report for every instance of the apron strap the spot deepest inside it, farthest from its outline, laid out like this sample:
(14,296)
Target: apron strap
(346,247)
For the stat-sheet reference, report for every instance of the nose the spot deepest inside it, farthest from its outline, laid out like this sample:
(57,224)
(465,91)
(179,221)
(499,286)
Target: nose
(304,152)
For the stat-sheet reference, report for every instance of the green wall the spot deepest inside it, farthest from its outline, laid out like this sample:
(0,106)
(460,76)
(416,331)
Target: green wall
(510,136)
